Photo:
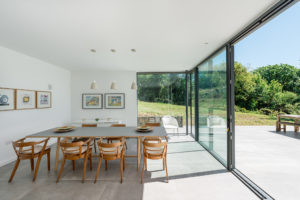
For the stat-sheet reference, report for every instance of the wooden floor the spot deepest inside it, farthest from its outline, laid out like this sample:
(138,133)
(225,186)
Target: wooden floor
(193,174)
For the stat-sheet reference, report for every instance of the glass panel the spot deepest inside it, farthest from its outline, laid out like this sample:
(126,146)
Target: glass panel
(159,95)
(192,108)
(213,105)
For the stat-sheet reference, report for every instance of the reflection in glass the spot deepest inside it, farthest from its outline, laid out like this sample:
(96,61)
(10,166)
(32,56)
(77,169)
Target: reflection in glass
(213,105)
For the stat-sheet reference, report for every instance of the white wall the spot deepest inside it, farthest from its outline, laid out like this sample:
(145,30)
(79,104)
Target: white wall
(24,72)
(81,82)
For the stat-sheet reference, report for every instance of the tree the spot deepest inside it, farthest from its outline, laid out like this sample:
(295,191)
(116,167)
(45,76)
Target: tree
(288,76)
(244,87)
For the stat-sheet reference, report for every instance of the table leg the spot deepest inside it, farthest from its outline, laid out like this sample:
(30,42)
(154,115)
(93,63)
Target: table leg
(278,128)
(296,127)
(57,153)
(138,152)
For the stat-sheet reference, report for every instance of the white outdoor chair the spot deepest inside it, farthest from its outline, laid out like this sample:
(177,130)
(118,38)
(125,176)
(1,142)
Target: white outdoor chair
(170,122)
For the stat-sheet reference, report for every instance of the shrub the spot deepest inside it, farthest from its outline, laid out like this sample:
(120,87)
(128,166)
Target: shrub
(266,111)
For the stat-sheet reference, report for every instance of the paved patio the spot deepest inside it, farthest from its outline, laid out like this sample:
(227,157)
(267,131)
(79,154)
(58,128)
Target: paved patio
(193,174)
(270,159)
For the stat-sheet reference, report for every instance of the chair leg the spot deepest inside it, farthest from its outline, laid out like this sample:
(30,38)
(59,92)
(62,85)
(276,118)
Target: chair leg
(146,164)
(32,164)
(95,148)
(84,168)
(106,164)
(166,170)
(284,128)
(123,163)
(14,170)
(121,169)
(143,171)
(37,167)
(61,170)
(98,169)
(48,160)
(91,162)
(73,164)
(164,166)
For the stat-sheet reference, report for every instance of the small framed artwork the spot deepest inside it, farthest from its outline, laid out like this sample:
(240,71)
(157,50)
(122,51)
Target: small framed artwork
(114,100)
(7,99)
(25,99)
(92,101)
(43,99)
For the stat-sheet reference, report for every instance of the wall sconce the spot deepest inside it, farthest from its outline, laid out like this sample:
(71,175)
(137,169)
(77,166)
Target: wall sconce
(133,85)
(94,85)
(113,86)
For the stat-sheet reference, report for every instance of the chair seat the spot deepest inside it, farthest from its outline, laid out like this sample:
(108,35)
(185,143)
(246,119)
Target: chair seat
(37,149)
(75,150)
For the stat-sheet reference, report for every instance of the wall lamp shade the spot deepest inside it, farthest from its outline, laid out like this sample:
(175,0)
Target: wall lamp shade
(133,85)
(113,86)
(94,85)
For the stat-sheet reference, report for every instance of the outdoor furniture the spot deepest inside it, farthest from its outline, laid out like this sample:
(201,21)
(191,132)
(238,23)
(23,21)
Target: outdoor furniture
(75,151)
(170,122)
(154,151)
(295,122)
(30,150)
(98,132)
(111,151)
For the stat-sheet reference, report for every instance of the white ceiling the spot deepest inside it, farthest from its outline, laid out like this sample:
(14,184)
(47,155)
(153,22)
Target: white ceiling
(168,35)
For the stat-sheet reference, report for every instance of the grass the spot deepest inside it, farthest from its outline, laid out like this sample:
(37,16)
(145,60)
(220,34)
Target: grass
(241,119)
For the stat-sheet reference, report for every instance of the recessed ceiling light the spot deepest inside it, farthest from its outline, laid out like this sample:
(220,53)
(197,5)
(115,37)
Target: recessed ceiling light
(133,50)
(93,50)
(113,50)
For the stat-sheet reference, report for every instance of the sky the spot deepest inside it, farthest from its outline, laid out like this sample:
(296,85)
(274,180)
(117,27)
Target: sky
(278,41)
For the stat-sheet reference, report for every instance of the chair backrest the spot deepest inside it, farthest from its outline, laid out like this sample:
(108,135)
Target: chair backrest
(27,148)
(88,125)
(75,148)
(152,124)
(155,149)
(118,125)
(169,120)
(112,149)
(152,139)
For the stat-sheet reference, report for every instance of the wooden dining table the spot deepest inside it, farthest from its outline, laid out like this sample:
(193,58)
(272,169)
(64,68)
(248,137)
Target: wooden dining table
(98,132)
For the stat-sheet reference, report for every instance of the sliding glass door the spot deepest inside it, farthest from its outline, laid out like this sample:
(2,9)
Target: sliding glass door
(212,102)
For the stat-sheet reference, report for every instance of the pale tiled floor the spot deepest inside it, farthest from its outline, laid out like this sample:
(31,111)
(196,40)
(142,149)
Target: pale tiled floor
(193,174)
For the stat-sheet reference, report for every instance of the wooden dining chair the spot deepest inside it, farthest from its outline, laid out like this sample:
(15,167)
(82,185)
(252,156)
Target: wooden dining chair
(154,151)
(30,151)
(152,138)
(111,151)
(75,151)
(152,124)
(85,139)
(111,139)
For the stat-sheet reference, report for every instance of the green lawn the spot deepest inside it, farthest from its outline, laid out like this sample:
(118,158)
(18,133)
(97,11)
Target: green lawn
(241,119)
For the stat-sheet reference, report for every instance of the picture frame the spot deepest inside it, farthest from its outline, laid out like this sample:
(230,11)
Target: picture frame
(114,100)
(43,99)
(25,99)
(92,101)
(7,99)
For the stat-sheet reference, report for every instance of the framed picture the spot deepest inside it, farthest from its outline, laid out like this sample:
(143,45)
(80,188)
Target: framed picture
(25,99)
(43,99)
(7,99)
(114,101)
(92,101)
